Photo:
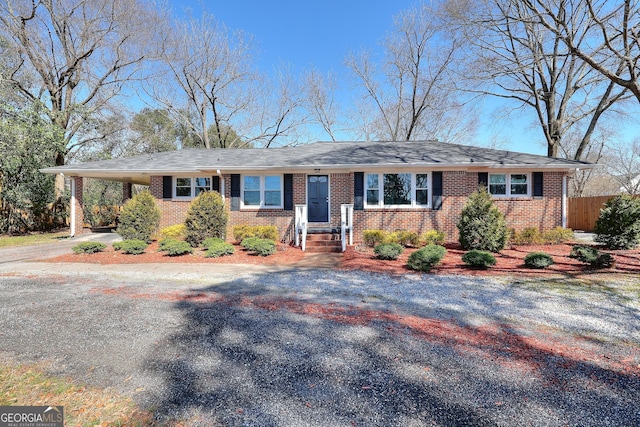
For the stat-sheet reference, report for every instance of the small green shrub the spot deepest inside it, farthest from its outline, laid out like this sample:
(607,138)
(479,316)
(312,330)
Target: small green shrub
(592,256)
(249,242)
(206,217)
(558,235)
(528,236)
(218,249)
(388,251)
(176,231)
(165,243)
(404,238)
(88,247)
(257,246)
(584,253)
(140,218)
(618,226)
(177,248)
(481,224)
(538,260)
(131,247)
(426,258)
(211,241)
(433,237)
(372,238)
(241,232)
(479,259)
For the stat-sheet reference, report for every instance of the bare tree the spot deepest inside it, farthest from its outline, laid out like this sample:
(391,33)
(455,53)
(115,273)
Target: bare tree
(76,56)
(412,93)
(511,55)
(612,31)
(320,100)
(623,164)
(217,88)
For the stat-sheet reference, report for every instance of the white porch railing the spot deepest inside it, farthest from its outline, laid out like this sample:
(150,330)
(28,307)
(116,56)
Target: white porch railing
(346,224)
(301,226)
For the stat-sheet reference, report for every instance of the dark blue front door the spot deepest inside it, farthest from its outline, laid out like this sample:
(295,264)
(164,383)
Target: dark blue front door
(318,198)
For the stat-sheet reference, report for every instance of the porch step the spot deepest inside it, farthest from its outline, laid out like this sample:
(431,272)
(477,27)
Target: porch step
(323,242)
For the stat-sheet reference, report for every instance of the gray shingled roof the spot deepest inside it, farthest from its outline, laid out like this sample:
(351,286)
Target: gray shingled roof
(349,156)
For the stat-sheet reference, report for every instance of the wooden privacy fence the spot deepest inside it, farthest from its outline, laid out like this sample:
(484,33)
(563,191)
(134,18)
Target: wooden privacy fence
(582,212)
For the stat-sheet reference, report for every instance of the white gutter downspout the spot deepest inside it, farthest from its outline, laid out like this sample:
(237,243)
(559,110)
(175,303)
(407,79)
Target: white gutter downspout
(73,207)
(564,201)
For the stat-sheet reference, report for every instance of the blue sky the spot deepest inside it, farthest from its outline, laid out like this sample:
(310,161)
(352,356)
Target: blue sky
(319,34)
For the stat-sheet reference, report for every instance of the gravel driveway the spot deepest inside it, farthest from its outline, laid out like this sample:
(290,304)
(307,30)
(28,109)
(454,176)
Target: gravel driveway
(291,347)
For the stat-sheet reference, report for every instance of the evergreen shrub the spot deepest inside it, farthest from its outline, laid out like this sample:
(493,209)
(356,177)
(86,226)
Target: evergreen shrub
(88,247)
(538,260)
(388,251)
(618,226)
(140,218)
(479,259)
(427,257)
(206,217)
(482,225)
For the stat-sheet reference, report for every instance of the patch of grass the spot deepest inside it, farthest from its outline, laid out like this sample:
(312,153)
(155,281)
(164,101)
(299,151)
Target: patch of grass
(31,239)
(83,406)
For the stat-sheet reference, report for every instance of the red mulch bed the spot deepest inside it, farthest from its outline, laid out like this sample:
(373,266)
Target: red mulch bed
(508,262)
(284,255)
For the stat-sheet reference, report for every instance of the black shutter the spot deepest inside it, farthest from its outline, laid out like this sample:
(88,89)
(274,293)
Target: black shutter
(436,183)
(358,191)
(167,187)
(483,179)
(538,184)
(288,191)
(215,183)
(235,192)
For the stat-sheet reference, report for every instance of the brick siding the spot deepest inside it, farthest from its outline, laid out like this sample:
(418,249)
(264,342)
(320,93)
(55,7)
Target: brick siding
(544,213)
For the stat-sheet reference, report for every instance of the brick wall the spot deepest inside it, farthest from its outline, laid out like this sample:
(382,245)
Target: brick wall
(545,213)
(77,203)
(520,213)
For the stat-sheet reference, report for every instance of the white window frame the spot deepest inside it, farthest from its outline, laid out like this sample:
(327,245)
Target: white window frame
(193,185)
(262,192)
(413,204)
(508,175)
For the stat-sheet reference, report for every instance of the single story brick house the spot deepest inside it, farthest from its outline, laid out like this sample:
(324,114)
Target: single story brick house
(416,186)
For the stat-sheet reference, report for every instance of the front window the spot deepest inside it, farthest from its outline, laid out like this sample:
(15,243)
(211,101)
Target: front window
(422,189)
(189,187)
(509,184)
(498,184)
(397,190)
(251,191)
(262,191)
(373,190)
(272,191)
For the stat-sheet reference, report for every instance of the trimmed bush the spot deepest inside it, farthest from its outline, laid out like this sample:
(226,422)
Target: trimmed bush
(249,243)
(88,247)
(140,218)
(176,231)
(618,226)
(165,243)
(262,247)
(218,249)
(592,256)
(388,251)
(211,241)
(538,260)
(372,238)
(404,238)
(558,235)
(433,237)
(482,225)
(206,217)
(177,248)
(528,236)
(584,253)
(426,258)
(479,259)
(131,247)
(241,232)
